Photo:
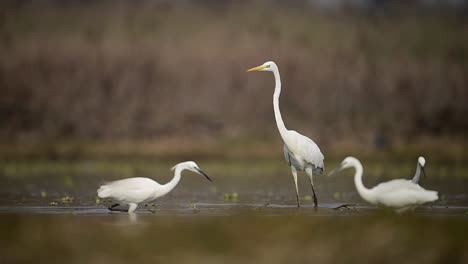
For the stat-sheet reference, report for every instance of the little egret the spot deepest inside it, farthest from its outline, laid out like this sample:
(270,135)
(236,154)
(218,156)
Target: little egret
(419,168)
(399,194)
(133,191)
(301,153)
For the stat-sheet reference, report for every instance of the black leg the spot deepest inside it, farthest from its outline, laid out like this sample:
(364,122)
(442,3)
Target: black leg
(297,198)
(310,173)
(345,206)
(315,196)
(113,209)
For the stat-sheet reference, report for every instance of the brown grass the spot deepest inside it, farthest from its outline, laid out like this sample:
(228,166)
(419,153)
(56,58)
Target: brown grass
(146,72)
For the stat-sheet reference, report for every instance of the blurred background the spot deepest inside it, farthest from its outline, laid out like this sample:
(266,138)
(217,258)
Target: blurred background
(363,75)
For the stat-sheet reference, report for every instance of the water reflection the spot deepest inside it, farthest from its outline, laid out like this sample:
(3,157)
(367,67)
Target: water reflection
(132,218)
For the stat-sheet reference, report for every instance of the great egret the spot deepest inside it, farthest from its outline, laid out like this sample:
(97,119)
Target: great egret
(419,168)
(399,194)
(301,153)
(133,191)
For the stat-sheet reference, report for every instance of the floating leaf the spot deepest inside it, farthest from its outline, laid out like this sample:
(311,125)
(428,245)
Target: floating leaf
(67,199)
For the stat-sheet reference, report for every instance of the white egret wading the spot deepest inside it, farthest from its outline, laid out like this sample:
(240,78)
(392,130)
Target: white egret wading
(419,169)
(399,194)
(133,191)
(301,153)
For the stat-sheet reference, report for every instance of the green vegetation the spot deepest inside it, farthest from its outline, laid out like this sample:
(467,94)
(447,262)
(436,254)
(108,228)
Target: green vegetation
(67,199)
(239,157)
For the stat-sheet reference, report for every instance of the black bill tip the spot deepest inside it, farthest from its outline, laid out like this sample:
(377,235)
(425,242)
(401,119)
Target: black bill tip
(204,174)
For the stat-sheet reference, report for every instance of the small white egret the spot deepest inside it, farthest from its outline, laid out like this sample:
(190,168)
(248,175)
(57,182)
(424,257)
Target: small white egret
(133,191)
(398,194)
(419,168)
(301,153)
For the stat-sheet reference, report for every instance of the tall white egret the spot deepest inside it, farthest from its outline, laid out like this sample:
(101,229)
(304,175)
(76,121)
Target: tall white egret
(301,153)
(133,191)
(399,194)
(419,168)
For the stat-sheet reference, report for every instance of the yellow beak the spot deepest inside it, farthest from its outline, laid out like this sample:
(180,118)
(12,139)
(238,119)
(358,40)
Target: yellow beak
(258,68)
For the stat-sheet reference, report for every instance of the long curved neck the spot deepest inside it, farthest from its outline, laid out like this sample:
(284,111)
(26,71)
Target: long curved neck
(166,188)
(362,190)
(417,174)
(279,120)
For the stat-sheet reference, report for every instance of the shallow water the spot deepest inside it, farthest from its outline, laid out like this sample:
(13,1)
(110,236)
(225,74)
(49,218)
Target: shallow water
(236,209)
(228,191)
(215,234)
(249,218)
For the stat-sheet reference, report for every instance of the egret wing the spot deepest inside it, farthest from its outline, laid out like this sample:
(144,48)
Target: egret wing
(303,147)
(397,184)
(407,197)
(401,192)
(133,190)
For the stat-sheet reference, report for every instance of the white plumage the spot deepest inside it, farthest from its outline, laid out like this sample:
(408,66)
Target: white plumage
(303,150)
(133,191)
(419,168)
(301,153)
(399,194)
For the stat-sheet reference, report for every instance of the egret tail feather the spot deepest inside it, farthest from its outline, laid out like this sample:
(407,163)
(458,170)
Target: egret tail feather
(104,191)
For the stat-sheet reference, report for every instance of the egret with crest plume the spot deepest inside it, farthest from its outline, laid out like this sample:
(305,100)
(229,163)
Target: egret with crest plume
(133,191)
(398,194)
(301,153)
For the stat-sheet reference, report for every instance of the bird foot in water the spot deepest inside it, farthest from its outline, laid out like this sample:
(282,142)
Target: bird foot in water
(261,207)
(346,207)
(113,208)
(152,210)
